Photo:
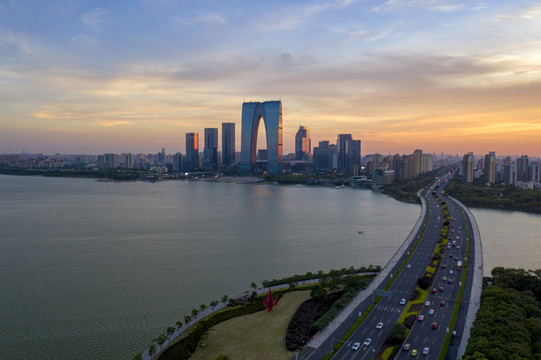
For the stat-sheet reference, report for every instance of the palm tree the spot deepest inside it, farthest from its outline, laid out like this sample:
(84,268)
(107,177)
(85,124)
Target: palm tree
(203,307)
(213,303)
(225,298)
(187,319)
(195,312)
(170,330)
(152,350)
(179,324)
(253,285)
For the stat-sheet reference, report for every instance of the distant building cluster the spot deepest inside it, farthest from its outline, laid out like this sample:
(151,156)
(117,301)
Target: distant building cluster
(520,172)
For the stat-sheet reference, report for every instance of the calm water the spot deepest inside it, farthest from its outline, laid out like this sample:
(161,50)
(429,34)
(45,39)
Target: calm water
(509,239)
(100,269)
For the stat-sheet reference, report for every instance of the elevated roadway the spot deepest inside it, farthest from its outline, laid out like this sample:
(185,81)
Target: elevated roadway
(371,334)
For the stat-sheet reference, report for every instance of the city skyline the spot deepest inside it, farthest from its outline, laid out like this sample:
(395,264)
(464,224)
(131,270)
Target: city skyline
(100,77)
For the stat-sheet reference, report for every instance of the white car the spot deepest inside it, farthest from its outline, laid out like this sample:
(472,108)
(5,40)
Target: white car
(431,312)
(426,350)
(403,302)
(379,325)
(408,266)
(427,303)
(356,346)
(367,342)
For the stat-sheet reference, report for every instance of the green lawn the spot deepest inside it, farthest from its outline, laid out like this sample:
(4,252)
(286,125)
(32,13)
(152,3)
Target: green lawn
(259,336)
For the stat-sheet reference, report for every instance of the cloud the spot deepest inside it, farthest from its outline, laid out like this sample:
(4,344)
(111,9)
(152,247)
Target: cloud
(95,17)
(206,19)
(8,37)
(430,5)
(532,13)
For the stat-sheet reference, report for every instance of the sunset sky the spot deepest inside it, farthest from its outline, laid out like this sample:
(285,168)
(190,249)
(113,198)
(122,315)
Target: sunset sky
(81,76)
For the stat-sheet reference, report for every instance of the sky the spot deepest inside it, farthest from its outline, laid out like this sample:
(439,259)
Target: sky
(91,76)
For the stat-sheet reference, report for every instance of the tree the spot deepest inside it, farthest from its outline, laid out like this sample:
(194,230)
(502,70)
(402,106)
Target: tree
(225,298)
(203,307)
(152,350)
(253,286)
(318,293)
(179,324)
(195,312)
(170,330)
(187,319)
(138,357)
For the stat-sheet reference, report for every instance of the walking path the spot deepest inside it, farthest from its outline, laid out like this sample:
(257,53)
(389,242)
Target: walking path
(477,281)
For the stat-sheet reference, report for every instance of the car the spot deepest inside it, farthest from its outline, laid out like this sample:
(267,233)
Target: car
(421,317)
(450,255)
(451,272)
(456,258)
(434,291)
(426,350)
(379,325)
(449,281)
(434,325)
(408,266)
(406,347)
(445,278)
(431,312)
(403,302)
(458,246)
(414,352)
(442,303)
(443,266)
(356,346)
(367,342)
(427,303)
(441,289)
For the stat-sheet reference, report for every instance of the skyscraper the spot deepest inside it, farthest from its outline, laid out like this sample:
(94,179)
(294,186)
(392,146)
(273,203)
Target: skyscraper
(210,152)
(467,168)
(303,144)
(342,144)
(192,151)
(228,144)
(322,157)
(522,168)
(490,168)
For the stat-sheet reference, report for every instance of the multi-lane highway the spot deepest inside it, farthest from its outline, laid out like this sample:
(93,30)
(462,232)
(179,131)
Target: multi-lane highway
(430,329)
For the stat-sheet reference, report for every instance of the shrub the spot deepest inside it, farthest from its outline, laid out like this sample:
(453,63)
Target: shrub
(397,334)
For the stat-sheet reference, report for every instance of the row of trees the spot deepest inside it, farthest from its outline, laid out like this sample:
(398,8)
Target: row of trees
(188,319)
(507,325)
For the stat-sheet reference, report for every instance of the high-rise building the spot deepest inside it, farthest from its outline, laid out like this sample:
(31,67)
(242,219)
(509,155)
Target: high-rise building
(322,156)
(107,161)
(303,144)
(210,152)
(161,156)
(228,144)
(177,162)
(252,113)
(534,172)
(467,168)
(192,151)
(354,157)
(342,144)
(489,168)
(510,173)
(522,168)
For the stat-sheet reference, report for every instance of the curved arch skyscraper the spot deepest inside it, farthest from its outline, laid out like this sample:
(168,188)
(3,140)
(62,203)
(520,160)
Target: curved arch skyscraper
(252,113)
